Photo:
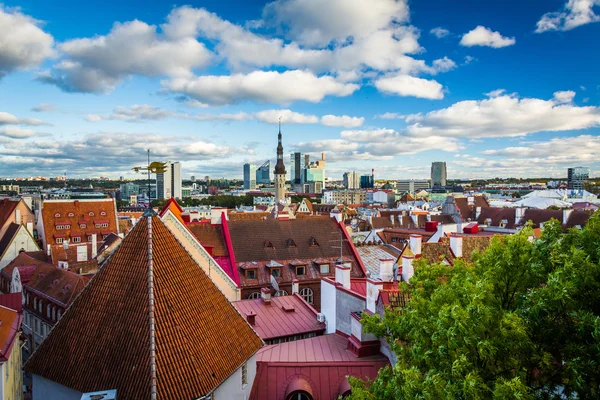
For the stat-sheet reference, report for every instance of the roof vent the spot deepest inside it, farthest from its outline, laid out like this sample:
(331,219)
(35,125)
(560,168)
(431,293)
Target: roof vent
(268,244)
(313,241)
(251,317)
(288,308)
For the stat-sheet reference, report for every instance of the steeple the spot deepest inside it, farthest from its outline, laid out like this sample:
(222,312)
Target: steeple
(279,167)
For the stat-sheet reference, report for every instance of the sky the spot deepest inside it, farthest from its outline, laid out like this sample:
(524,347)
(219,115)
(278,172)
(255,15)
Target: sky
(494,89)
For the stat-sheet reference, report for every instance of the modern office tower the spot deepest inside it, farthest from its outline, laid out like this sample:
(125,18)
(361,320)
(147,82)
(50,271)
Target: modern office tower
(315,172)
(438,174)
(411,185)
(193,178)
(280,172)
(577,177)
(249,176)
(263,174)
(168,183)
(298,162)
(351,180)
(367,181)
(127,189)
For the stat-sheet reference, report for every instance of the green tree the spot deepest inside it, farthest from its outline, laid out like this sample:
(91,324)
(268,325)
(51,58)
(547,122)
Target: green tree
(521,322)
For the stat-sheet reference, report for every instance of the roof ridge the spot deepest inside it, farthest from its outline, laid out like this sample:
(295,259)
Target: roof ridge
(151,312)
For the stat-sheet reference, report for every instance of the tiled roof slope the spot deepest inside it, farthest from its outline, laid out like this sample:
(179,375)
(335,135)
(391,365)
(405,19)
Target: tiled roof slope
(539,216)
(9,329)
(211,235)
(76,213)
(497,215)
(249,239)
(6,240)
(200,338)
(7,206)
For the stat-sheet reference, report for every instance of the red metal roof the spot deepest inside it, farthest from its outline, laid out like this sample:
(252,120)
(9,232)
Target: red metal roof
(272,321)
(323,362)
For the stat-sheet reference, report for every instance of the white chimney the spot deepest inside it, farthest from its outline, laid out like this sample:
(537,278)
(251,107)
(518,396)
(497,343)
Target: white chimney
(342,276)
(477,212)
(566,215)
(428,217)
(94,245)
(265,295)
(373,288)
(386,269)
(415,244)
(392,219)
(30,227)
(519,214)
(49,251)
(400,219)
(295,286)
(18,216)
(407,268)
(456,245)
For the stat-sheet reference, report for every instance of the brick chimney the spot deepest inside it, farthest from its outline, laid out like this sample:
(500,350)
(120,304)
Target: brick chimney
(251,317)
(265,295)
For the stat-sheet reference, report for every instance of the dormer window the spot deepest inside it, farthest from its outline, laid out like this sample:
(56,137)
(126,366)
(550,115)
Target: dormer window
(59,240)
(82,226)
(102,213)
(313,242)
(324,268)
(71,215)
(251,274)
(291,243)
(300,271)
(57,215)
(268,244)
(91,214)
(276,272)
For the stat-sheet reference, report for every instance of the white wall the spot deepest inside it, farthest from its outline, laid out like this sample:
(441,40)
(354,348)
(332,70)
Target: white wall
(232,388)
(328,305)
(43,389)
(23,240)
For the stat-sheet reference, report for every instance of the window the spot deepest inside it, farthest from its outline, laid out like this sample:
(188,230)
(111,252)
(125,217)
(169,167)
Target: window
(89,238)
(244,374)
(91,214)
(71,215)
(82,226)
(77,239)
(300,270)
(105,225)
(27,300)
(276,272)
(251,274)
(59,240)
(281,293)
(48,310)
(59,227)
(53,313)
(307,295)
(35,301)
(324,268)
(41,307)
(57,215)
(102,213)
(254,295)
(98,225)
(58,314)
(298,395)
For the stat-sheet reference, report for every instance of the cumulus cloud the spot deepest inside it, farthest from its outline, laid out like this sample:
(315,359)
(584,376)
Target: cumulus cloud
(495,93)
(342,120)
(285,116)
(145,112)
(263,86)
(310,22)
(9,119)
(44,107)
(502,116)
(23,43)
(98,64)
(15,132)
(405,85)
(390,115)
(564,97)
(482,36)
(575,13)
(439,32)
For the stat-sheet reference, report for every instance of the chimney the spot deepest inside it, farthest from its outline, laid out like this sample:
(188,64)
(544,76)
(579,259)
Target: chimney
(566,215)
(519,214)
(428,217)
(30,227)
(400,219)
(386,269)
(94,245)
(265,295)
(456,245)
(49,251)
(477,212)
(295,286)
(342,276)
(373,289)
(251,317)
(415,244)
(407,268)
(18,216)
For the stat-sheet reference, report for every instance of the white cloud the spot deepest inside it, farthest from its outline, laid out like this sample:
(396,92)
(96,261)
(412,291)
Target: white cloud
(405,85)
(439,32)
(43,107)
(469,60)
(15,132)
(319,22)
(145,112)
(564,97)
(22,43)
(443,65)
(390,115)
(482,36)
(9,119)
(574,14)
(287,117)
(342,120)
(495,93)
(502,116)
(98,64)
(263,86)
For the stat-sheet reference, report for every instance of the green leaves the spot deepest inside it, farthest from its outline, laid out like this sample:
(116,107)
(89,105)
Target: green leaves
(521,322)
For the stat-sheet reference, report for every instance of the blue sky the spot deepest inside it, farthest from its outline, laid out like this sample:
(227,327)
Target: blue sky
(493,88)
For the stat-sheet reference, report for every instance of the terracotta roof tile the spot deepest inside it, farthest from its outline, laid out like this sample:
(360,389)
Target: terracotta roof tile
(9,329)
(8,237)
(539,216)
(497,216)
(200,338)
(211,235)
(576,218)
(7,206)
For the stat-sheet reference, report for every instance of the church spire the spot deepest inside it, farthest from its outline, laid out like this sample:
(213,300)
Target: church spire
(279,167)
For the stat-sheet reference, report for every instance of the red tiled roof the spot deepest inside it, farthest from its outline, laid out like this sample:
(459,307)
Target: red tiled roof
(7,206)
(73,212)
(323,362)
(539,216)
(200,338)
(58,285)
(576,218)
(497,215)
(9,328)
(7,239)
(272,321)
(26,265)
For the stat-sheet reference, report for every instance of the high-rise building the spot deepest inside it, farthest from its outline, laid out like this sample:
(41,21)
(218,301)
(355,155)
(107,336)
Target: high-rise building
(577,177)
(193,178)
(127,189)
(249,176)
(351,180)
(411,185)
(263,174)
(438,174)
(298,162)
(367,181)
(168,183)
(280,171)
(315,172)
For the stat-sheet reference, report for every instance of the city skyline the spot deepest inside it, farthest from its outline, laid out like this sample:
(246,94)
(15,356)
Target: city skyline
(505,90)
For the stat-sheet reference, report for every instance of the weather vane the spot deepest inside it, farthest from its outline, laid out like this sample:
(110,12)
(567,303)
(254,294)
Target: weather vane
(155,167)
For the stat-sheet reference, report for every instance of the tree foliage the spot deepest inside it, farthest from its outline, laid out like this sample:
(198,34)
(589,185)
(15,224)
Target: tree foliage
(522,321)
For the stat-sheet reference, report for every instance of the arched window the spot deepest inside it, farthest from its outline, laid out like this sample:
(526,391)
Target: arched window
(307,294)
(27,299)
(254,295)
(58,314)
(53,313)
(281,293)
(49,310)
(35,303)
(298,395)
